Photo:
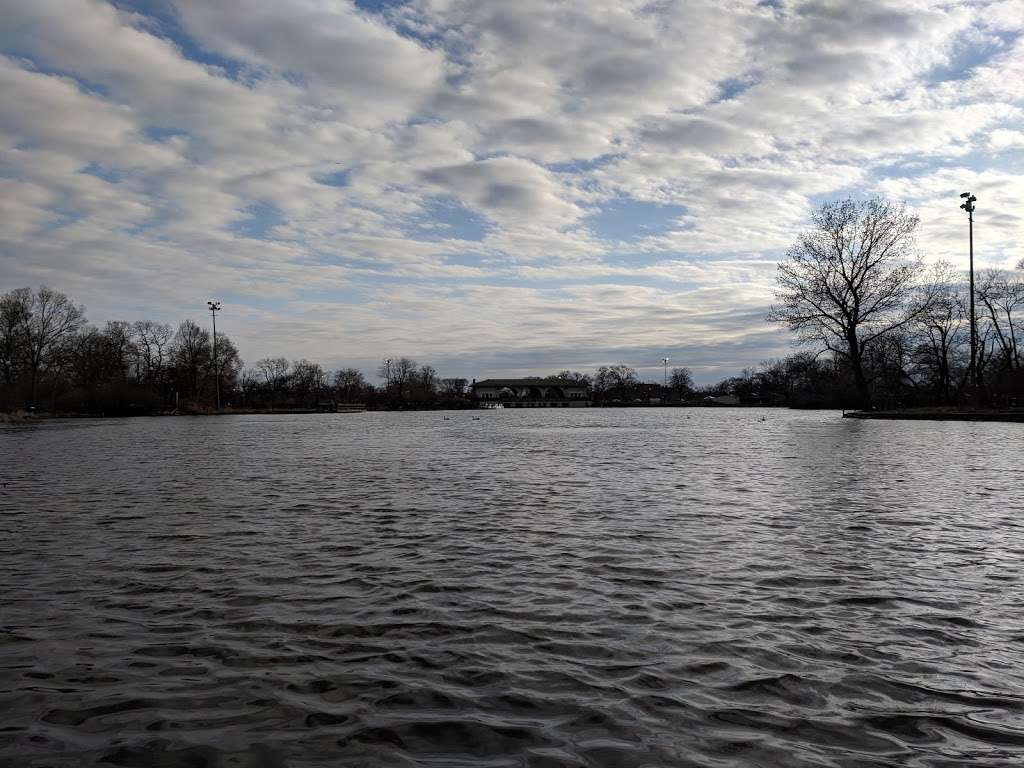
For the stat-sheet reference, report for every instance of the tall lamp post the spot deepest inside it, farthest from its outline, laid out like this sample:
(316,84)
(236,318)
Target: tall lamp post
(664,361)
(214,309)
(968,205)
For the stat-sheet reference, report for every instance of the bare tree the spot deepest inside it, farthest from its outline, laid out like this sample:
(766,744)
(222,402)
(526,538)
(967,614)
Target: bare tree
(939,333)
(229,364)
(453,388)
(309,379)
(426,383)
(120,347)
(1002,298)
(52,318)
(275,373)
(349,384)
(249,383)
(193,355)
(399,375)
(575,376)
(847,282)
(616,379)
(15,310)
(681,380)
(152,341)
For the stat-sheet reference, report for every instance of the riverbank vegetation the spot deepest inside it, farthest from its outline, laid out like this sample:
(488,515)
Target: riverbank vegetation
(855,290)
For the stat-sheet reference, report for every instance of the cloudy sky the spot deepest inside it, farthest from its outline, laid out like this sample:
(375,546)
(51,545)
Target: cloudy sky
(490,187)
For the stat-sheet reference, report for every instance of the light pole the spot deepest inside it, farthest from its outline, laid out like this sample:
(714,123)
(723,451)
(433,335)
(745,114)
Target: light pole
(968,205)
(664,361)
(214,309)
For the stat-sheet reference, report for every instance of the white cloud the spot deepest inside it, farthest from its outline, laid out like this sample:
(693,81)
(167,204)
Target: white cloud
(373,183)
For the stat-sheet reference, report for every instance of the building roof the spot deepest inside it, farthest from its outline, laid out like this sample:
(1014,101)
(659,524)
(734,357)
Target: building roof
(548,382)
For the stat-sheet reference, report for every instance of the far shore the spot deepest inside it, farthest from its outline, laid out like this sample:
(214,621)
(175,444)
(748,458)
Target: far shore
(917,414)
(20,416)
(942,414)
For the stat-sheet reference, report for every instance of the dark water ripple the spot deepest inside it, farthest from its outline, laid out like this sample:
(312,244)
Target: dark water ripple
(607,588)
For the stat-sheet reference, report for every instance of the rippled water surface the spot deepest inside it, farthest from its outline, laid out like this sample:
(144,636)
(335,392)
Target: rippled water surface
(521,588)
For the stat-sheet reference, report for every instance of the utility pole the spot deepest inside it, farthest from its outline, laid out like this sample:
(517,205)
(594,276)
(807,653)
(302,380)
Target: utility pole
(214,309)
(968,205)
(664,361)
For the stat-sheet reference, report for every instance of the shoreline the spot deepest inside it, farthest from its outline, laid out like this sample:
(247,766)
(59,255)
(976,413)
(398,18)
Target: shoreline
(939,414)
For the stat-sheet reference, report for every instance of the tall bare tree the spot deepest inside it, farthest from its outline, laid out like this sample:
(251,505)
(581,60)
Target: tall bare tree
(399,375)
(52,319)
(350,384)
(275,371)
(615,379)
(308,380)
(848,281)
(15,310)
(192,355)
(1002,300)
(152,340)
(940,334)
(681,380)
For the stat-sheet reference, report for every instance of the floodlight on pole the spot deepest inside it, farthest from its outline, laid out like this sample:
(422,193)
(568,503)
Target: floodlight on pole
(214,309)
(968,205)
(664,361)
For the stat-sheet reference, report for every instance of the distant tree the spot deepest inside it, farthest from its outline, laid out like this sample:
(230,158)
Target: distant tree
(152,342)
(308,380)
(939,335)
(193,357)
(888,362)
(426,382)
(576,376)
(681,380)
(51,320)
(120,347)
(249,384)
(615,381)
(350,385)
(1001,299)
(15,311)
(274,371)
(229,366)
(399,375)
(848,281)
(453,388)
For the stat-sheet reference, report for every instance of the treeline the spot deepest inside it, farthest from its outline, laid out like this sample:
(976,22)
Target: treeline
(855,287)
(52,359)
(924,361)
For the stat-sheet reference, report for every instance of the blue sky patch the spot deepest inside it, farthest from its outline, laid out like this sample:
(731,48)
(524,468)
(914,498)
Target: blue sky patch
(104,172)
(335,179)
(446,219)
(627,219)
(733,87)
(967,55)
(164,22)
(261,219)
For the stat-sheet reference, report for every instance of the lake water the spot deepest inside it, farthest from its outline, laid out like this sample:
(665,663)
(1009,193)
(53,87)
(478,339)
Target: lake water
(646,587)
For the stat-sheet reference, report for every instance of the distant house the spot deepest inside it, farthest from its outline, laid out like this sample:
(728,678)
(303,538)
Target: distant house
(531,393)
